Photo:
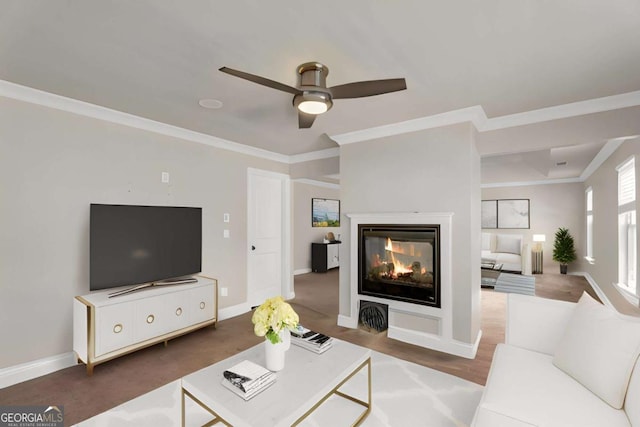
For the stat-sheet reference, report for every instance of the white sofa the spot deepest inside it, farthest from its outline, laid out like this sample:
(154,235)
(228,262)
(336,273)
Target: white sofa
(528,384)
(510,250)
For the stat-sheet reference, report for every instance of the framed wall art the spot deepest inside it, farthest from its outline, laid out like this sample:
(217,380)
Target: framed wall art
(325,213)
(513,213)
(489,214)
(505,213)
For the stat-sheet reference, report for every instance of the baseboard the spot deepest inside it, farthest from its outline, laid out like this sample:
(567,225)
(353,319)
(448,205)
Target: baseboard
(347,322)
(233,311)
(594,285)
(34,369)
(301,271)
(436,342)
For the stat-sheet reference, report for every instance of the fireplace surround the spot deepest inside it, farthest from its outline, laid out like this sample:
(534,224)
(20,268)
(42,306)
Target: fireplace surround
(429,326)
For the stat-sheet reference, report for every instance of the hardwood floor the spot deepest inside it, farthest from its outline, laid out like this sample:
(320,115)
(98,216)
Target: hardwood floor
(316,303)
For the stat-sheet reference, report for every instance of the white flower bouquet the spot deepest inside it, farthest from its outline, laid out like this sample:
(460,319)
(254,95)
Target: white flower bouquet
(273,316)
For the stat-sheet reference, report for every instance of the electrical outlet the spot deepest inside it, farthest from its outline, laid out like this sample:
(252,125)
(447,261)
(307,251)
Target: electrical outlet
(224,292)
(165,177)
(225,217)
(225,234)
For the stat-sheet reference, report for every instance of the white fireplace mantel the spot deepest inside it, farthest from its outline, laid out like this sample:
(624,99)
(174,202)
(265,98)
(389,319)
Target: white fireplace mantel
(421,325)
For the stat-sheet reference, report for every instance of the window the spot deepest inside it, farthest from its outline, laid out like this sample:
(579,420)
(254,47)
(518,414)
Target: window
(589,212)
(627,244)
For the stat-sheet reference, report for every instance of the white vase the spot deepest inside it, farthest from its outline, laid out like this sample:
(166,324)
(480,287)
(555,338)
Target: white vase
(274,353)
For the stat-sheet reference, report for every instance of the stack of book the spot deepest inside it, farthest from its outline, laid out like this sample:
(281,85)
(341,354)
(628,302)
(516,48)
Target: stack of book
(311,340)
(246,379)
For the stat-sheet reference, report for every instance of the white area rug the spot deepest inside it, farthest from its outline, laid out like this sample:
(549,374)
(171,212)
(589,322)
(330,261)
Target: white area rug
(403,394)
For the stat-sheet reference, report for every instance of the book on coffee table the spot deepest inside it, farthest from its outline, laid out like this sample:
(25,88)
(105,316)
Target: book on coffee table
(246,379)
(311,340)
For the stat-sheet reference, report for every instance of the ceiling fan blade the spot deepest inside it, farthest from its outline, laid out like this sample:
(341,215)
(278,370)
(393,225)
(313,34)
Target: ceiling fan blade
(369,88)
(261,81)
(305,120)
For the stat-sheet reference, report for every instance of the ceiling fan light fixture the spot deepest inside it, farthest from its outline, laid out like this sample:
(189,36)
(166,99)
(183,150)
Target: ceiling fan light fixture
(310,102)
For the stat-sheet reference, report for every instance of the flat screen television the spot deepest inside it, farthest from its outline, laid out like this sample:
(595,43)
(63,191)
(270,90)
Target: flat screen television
(131,245)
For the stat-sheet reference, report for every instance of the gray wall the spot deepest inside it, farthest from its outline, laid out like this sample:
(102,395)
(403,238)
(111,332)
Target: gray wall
(53,165)
(429,171)
(303,233)
(604,183)
(551,206)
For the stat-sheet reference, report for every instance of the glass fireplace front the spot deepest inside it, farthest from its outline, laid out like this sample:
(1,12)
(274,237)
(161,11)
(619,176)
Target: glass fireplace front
(400,262)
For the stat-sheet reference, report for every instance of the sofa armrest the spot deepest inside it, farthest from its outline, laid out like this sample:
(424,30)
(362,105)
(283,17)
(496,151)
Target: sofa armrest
(535,323)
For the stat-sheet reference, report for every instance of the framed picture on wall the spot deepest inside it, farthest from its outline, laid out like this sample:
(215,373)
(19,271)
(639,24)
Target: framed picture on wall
(325,213)
(513,213)
(489,214)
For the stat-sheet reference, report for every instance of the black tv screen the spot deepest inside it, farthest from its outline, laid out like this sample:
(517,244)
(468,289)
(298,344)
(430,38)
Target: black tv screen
(130,245)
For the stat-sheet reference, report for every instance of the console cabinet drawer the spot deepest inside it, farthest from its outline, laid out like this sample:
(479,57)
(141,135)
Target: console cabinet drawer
(114,328)
(105,327)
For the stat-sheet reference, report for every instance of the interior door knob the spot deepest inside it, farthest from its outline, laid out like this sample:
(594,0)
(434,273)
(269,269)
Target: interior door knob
(253,248)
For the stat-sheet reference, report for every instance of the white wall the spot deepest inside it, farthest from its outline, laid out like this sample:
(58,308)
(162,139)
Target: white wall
(429,171)
(53,165)
(550,207)
(304,234)
(604,183)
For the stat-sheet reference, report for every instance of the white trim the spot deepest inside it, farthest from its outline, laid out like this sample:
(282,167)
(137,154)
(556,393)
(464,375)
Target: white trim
(474,114)
(564,111)
(603,297)
(233,311)
(436,342)
(444,341)
(315,155)
(317,183)
(526,183)
(609,148)
(630,297)
(287,282)
(36,368)
(38,97)
(301,271)
(347,321)
(478,117)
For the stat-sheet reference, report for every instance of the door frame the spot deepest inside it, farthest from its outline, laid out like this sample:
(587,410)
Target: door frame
(285,187)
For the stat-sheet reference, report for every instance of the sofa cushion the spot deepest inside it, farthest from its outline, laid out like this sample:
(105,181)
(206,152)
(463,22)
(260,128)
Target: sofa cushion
(632,402)
(599,349)
(486,242)
(525,385)
(510,262)
(509,244)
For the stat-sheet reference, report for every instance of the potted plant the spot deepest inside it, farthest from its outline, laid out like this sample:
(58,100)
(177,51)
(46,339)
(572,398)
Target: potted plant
(564,251)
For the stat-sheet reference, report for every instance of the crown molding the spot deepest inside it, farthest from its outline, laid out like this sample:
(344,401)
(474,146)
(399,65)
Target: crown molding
(315,155)
(62,103)
(317,183)
(477,116)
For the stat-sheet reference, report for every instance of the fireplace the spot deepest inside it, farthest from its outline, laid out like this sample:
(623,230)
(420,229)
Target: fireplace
(400,262)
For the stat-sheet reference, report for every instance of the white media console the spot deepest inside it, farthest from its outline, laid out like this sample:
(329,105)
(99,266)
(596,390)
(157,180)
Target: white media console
(105,328)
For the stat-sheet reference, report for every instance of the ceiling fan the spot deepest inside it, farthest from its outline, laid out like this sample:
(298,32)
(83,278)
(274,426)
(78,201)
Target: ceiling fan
(313,97)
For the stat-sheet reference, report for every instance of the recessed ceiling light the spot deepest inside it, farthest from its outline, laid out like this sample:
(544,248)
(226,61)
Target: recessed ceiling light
(213,104)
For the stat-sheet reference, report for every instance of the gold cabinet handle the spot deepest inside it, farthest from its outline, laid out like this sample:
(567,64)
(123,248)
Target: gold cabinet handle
(117,328)
(150,318)
(179,311)
(202,304)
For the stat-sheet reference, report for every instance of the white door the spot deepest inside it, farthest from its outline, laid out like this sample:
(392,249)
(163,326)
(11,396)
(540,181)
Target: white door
(268,222)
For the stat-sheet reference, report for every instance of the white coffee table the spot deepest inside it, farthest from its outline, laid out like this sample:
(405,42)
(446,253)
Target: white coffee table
(307,380)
